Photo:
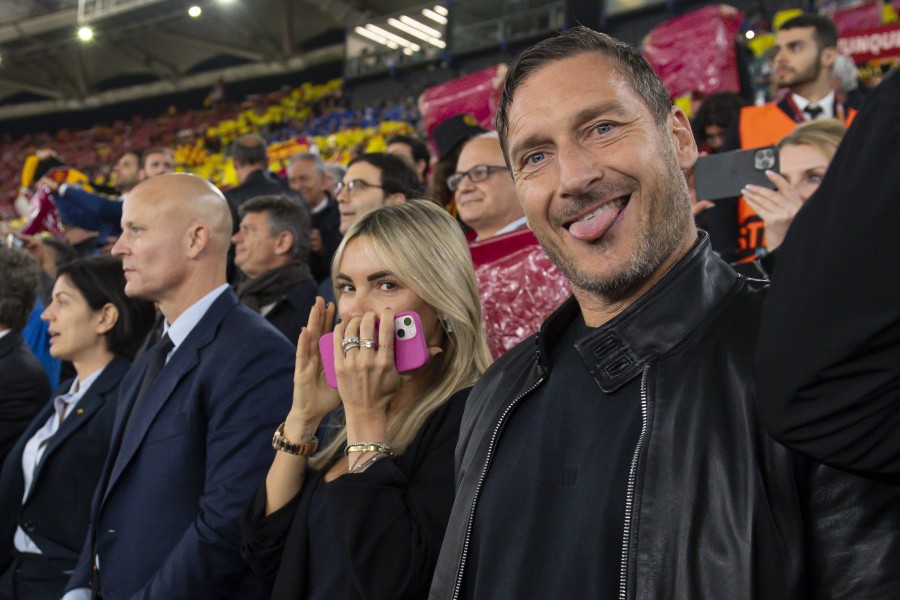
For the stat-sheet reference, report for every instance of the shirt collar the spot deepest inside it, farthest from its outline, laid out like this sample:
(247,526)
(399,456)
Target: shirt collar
(185,323)
(520,222)
(77,390)
(827,103)
(321,205)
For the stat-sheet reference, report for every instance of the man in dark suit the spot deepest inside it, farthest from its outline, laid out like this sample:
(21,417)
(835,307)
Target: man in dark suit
(24,385)
(307,176)
(272,250)
(196,412)
(251,163)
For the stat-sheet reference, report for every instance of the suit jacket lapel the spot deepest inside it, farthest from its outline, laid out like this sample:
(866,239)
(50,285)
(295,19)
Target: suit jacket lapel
(185,359)
(87,407)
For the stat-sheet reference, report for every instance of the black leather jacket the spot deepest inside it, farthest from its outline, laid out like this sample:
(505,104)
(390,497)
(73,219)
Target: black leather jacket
(716,509)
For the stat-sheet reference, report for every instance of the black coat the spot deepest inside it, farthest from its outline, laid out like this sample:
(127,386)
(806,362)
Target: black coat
(291,313)
(57,510)
(24,388)
(328,222)
(828,361)
(403,503)
(716,508)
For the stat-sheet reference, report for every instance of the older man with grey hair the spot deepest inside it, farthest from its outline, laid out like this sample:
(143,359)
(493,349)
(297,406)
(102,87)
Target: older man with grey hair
(307,175)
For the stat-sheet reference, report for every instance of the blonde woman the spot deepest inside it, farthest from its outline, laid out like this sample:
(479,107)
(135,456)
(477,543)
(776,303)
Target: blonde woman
(365,516)
(804,157)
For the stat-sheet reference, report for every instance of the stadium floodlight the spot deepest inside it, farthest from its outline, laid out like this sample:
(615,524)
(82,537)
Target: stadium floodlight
(421,26)
(195,11)
(394,37)
(441,10)
(416,33)
(85,33)
(375,37)
(434,16)
(750,34)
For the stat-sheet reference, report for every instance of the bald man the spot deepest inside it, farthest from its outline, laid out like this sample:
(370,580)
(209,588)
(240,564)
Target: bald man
(196,411)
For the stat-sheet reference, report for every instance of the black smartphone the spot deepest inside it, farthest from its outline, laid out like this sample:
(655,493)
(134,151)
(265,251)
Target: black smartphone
(723,175)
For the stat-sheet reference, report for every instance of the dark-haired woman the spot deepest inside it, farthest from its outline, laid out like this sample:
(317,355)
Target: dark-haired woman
(48,479)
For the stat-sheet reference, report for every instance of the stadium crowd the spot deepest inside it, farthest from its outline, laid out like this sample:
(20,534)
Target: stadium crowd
(294,348)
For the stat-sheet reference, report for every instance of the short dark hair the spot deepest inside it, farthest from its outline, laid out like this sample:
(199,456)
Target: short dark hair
(417,146)
(397,177)
(19,274)
(574,42)
(152,150)
(250,149)
(284,214)
(824,30)
(101,281)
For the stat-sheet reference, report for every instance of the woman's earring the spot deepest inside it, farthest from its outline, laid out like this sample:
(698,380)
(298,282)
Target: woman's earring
(447,324)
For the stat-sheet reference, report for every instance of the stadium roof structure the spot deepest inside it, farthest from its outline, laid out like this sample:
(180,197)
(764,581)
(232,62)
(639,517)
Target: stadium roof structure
(144,48)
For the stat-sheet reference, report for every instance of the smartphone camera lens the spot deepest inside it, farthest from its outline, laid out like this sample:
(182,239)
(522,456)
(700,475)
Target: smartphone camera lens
(407,321)
(401,334)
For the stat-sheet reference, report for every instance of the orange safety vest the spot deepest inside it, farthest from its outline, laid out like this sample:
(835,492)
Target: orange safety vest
(761,126)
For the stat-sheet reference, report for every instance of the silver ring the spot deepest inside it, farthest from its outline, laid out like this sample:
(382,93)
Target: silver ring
(349,342)
(368,344)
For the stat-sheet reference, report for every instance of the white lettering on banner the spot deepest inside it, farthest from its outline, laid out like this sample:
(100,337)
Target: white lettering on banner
(873,43)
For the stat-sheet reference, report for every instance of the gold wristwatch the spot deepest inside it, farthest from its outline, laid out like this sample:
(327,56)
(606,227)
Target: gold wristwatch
(307,446)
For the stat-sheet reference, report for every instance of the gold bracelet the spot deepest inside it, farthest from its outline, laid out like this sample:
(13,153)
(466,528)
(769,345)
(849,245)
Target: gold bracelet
(369,447)
(307,446)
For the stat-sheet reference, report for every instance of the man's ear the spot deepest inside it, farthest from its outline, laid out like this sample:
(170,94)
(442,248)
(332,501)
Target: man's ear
(198,240)
(826,60)
(682,138)
(284,241)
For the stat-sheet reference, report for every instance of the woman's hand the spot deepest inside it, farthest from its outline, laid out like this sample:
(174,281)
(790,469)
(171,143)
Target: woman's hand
(367,377)
(313,397)
(776,208)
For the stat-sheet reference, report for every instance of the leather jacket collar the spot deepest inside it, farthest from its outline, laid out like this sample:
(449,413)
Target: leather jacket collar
(618,351)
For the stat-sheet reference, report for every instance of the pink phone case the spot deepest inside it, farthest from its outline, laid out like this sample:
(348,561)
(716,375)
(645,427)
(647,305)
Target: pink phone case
(410,349)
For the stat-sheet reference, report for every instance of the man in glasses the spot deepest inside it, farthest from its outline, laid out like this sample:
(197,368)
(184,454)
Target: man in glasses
(372,180)
(484,192)
(518,284)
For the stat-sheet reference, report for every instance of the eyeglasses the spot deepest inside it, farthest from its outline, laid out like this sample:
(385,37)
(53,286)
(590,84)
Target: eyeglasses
(475,174)
(353,186)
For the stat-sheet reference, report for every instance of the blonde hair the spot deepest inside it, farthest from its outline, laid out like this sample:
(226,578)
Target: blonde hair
(822,134)
(421,244)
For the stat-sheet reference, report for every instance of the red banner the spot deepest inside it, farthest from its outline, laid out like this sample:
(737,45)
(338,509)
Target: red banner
(477,94)
(854,18)
(695,52)
(871,44)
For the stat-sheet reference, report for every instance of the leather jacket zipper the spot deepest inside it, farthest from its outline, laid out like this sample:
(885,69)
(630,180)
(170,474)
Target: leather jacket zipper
(487,463)
(629,494)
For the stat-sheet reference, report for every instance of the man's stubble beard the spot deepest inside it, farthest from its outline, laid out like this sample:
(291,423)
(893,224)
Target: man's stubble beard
(658,240)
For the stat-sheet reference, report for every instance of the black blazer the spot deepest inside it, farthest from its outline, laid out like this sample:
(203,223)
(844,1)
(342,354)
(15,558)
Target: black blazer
(328,222)
(404,503)
(24,388)
(291,314)
(57,510)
